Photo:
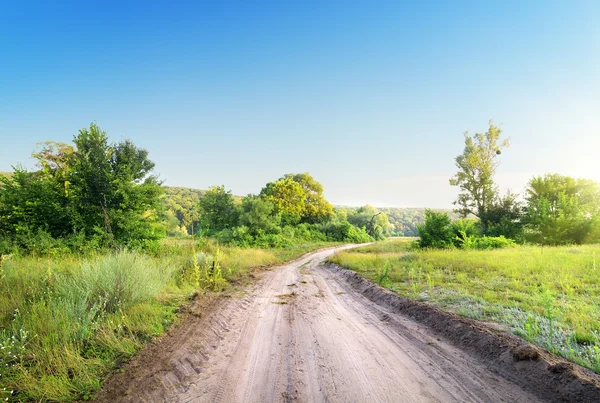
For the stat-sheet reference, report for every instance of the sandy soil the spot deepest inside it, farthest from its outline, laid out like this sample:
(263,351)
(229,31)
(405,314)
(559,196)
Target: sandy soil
(305,332)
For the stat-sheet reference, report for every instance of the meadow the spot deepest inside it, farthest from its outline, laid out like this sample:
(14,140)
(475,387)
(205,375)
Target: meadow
(550,296)
(67,322)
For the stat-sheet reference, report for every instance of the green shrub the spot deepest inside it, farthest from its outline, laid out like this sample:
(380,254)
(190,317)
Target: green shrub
(493,242)
(437,231)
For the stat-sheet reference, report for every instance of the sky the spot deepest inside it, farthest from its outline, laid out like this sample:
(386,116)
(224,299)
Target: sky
(372,98)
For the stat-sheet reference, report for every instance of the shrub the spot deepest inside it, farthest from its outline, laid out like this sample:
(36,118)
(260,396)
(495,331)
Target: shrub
(437,231)
(493,242)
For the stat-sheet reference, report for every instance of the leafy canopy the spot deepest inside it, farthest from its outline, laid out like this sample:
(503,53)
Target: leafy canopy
(476,168)
(562,210)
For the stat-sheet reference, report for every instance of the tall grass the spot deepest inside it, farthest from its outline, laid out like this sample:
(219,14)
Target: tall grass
(549,296)
(67,322)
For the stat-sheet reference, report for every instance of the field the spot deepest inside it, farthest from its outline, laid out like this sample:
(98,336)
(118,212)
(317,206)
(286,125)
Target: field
(67,322)
(550,296)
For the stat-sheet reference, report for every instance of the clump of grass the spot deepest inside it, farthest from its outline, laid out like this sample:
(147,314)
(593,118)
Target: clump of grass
(114,282)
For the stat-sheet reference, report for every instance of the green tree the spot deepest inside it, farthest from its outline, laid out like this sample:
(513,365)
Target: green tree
(218,210)
(374,222)
(29,202)
(112,191)
(258,215)
(504,217)
(475,177)
(562,210)
(298,198)
(92,189)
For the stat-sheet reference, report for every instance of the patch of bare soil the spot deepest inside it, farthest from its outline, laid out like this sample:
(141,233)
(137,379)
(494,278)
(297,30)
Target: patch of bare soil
(308,333)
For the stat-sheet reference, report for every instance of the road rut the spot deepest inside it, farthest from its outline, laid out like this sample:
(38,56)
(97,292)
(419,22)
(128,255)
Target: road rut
(302,334)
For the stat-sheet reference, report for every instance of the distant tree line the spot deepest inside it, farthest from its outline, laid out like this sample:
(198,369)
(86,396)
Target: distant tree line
(554,209)
(286,211)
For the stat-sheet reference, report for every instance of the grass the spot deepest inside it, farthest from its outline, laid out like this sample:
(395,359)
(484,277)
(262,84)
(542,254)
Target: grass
(68,322)
(549,296)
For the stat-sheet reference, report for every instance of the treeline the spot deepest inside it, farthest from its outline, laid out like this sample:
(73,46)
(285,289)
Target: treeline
(554,209)
(405,221)
(286,211)
(94,194)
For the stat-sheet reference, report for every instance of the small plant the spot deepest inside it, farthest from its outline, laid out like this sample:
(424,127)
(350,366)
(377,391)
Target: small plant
(430,283)
(196,267)
(383,274)
(548,304)
(213,275)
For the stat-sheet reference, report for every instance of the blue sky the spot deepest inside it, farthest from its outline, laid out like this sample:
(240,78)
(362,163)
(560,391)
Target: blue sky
(370,97)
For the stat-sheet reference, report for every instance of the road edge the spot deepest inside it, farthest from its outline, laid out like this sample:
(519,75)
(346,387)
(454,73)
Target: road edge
(536,370)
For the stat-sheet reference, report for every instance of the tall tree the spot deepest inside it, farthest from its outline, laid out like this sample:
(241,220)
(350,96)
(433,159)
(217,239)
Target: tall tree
(113,190)
(476,168)
(96,188)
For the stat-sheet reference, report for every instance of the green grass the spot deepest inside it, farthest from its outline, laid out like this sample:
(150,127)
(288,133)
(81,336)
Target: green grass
(68,322)
(549,296)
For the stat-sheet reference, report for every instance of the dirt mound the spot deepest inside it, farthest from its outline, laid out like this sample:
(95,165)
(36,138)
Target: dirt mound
(532,368)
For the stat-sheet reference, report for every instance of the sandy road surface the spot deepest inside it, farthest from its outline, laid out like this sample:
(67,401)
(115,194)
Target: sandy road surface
(302,334)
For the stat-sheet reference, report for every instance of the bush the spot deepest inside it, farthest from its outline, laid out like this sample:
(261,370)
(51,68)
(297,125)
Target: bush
(437,231)
(494,242)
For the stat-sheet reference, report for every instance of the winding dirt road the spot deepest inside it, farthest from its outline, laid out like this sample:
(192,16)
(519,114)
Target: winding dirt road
(301,333)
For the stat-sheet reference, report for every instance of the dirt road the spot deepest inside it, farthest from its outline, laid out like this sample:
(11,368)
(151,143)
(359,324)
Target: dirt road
(302,334)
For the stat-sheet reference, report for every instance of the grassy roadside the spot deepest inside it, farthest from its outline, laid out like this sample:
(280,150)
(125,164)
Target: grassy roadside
(549,296)
(67,323)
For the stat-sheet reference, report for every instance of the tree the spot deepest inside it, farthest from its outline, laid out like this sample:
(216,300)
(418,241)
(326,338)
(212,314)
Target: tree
(316,208)
(258,215)
(476,168)
(112,189)
(504,217)
(94,189)
(29,202)
(562,210)
(298,198)
(217,210)
(375,222)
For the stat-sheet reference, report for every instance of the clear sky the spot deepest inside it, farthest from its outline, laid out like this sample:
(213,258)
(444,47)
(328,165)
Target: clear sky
(370,97)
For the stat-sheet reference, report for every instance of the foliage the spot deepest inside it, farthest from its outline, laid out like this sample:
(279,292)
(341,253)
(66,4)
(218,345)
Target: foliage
(404,221)
(504,217)
(374,222)
(562,210)
(298,198)
(258,215)
(181,209)
(436,232)
(218,210)
(94,190)
(476,168)
(493,242)
(287,211)
(546,295)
